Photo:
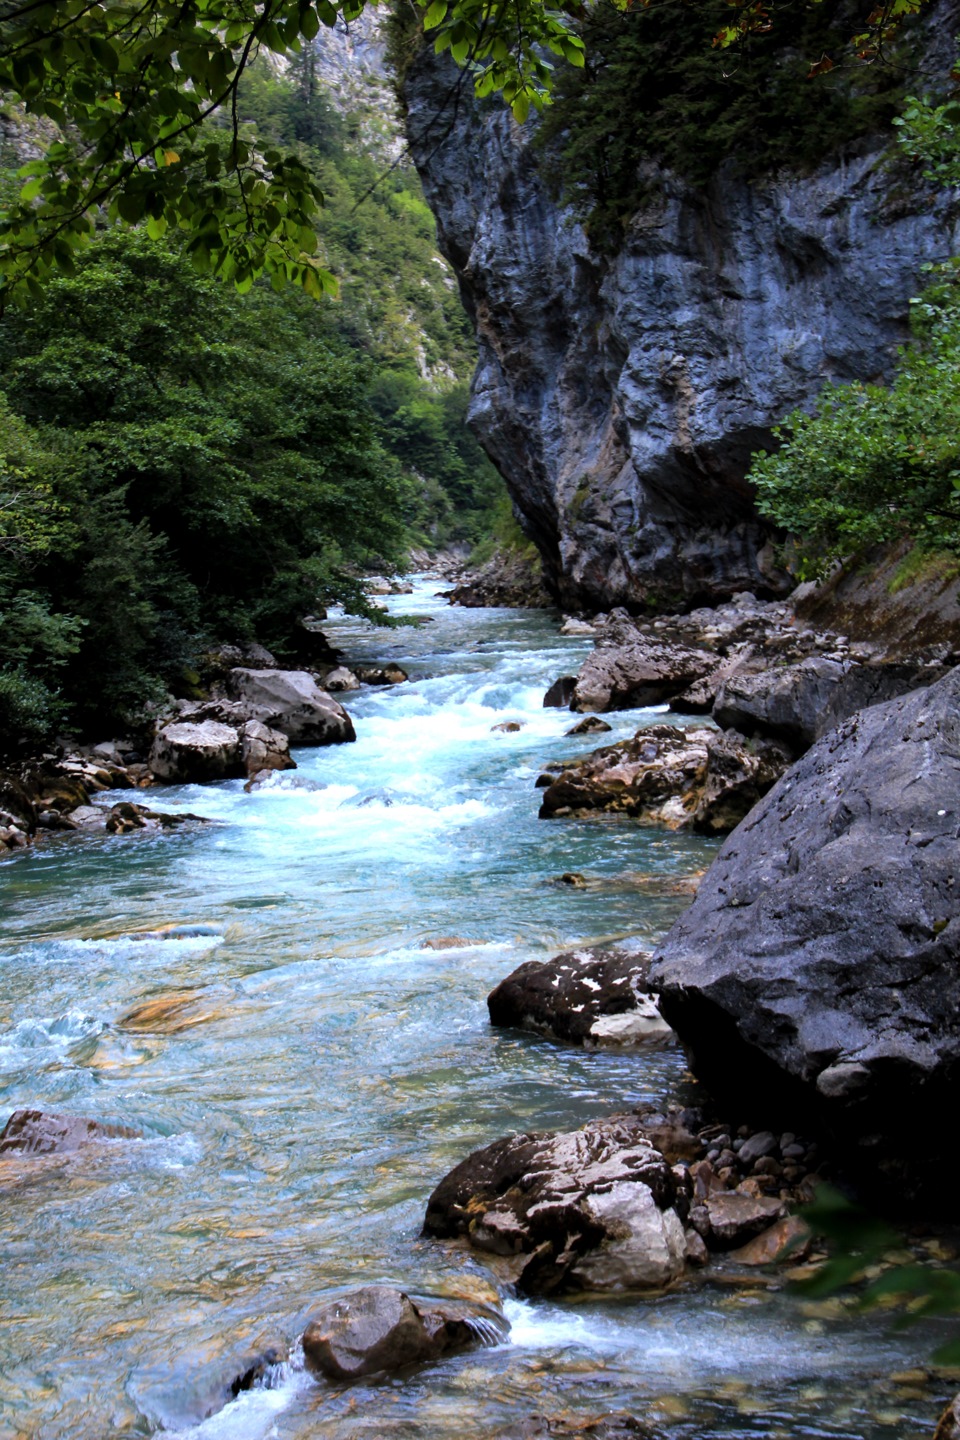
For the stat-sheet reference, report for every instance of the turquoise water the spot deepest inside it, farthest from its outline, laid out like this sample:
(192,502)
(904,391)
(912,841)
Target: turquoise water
(312,1070)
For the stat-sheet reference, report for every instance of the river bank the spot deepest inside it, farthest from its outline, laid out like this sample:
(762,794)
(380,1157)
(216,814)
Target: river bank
(332,1061)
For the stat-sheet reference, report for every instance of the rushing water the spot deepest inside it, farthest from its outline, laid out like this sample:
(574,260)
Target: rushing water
(321,1070)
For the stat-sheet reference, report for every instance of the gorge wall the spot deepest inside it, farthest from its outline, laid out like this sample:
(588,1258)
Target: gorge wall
(622,396)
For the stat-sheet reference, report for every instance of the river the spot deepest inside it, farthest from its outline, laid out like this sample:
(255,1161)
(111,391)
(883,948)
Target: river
(322,1069)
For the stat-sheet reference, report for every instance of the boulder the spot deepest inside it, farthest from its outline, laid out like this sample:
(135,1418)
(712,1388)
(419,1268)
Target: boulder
(35,1132)
(17,807)
(590,1209)
(798,702)
(380,674)
(292,702)
(264,749)
(727,1218)
(188,752)
(560,694)
(819,963)
(340,678)
(592,997)
(949,1426)
(695,778)
(630,668)
(380,1329)
(589,725)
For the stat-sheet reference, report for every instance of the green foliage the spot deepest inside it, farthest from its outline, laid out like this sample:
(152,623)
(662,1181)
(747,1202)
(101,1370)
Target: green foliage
(212,466)
(129,86)
(655,88)
(877,464)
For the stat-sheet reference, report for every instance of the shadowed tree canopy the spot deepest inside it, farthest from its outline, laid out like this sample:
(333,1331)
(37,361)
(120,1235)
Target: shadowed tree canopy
(126,87)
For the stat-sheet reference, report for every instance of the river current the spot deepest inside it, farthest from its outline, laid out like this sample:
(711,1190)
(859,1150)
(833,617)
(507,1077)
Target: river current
(313,1067)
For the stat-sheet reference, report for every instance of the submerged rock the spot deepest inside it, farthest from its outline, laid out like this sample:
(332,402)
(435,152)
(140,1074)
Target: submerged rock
(593,997)
(591,1209)
(819,963)
(613,1426)
(380,1329)
(292,702)
(37,1132)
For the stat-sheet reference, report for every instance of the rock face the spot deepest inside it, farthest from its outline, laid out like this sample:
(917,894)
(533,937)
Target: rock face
(593,1209)
(621,397)
(592,997)
(820,958)
(698,779)
(291,701)
(379,1329)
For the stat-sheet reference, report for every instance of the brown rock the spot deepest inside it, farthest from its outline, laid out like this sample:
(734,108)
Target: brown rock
(35,1132)
(508,727)
(735,1217)
(949,1426)
(787,1239)
(380,1329)
(589,725)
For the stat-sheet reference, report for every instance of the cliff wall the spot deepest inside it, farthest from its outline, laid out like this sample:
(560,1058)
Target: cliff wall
(622,396)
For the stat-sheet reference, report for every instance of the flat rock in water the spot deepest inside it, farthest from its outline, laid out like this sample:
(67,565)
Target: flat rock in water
(35,1132)
(595,997)
(292,702)
(590,1209)
(819,963)
(379,1329)
(613,1426)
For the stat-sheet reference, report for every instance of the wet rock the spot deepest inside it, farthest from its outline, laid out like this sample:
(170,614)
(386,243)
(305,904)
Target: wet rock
(448,942)
(508,727)
(89,817)
(380,674)
(949,1426)
(380,1329)
(588,1209)
(613,1426)
(572,626)
(190,753)
(560,694)
(594,997)
(819,964)
(340,678)
(17,805)
(292,702)
(264,749)
(630,668)
(36,1132)
(692,778)
(787,1239)
(589,725)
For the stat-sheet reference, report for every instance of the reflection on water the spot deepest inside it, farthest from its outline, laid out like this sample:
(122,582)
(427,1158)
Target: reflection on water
(257,996)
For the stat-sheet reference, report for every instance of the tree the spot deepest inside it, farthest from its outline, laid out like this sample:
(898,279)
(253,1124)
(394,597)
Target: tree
(129,85)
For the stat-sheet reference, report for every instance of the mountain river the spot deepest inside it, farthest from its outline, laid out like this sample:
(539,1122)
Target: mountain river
(324,1069)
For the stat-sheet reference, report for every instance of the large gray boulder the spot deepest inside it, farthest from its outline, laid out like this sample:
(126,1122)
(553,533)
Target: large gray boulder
(629,669)
(292,702)
(800,702)
(820,960)
(188,752)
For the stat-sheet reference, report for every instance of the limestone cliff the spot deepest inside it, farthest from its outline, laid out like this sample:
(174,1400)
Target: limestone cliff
(621,396)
